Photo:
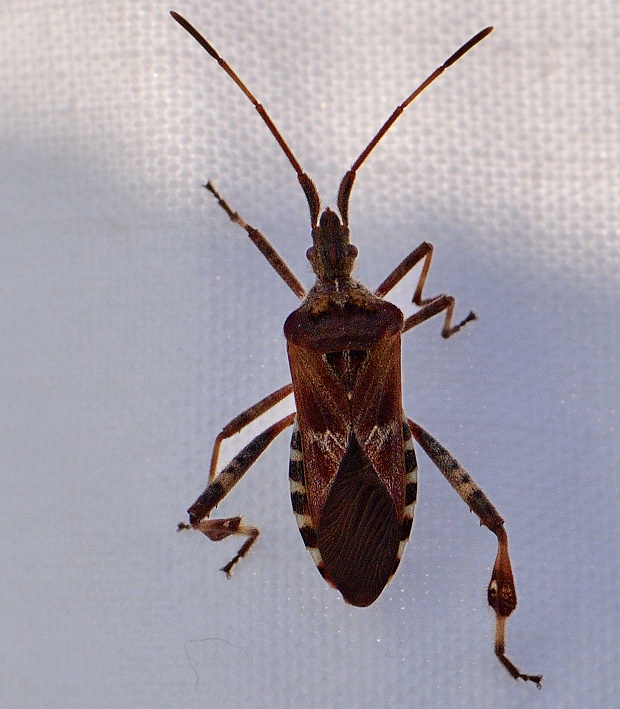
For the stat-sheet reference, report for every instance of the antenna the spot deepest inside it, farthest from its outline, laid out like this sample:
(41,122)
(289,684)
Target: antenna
(344,192)
(347,181)
(306,183)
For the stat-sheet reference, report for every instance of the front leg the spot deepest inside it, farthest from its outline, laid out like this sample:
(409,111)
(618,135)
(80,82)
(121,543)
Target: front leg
(276,261)
(501,593)
(429,307)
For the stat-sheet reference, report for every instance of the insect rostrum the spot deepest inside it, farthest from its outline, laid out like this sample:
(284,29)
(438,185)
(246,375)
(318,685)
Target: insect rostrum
(353,470)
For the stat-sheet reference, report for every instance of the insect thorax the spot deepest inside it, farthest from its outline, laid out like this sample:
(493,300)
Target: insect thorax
(342,316)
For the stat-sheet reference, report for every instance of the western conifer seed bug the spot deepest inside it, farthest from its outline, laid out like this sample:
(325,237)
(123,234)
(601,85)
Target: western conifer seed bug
(353,469)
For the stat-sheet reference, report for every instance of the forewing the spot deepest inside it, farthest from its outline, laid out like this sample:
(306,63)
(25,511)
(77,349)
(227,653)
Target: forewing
(377,417)
(323,412)
(358,534)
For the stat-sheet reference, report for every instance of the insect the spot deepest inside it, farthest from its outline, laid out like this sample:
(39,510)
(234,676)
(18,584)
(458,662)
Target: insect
(353,469)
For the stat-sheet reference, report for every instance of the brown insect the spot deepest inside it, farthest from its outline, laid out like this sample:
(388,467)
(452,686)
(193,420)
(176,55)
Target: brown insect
(353,470)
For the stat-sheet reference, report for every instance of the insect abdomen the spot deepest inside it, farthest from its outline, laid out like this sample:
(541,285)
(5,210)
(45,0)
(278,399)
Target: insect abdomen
(299,499)
(359,540)
(358,533)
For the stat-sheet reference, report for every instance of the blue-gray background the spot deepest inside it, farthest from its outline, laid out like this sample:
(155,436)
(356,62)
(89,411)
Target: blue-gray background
(136,321)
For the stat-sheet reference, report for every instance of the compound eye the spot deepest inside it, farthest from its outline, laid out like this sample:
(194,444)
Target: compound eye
(352,251)
(310,253)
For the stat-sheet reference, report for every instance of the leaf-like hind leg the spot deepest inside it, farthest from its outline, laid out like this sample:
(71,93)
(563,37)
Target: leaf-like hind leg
(501,593)
(218,529)
(225,480)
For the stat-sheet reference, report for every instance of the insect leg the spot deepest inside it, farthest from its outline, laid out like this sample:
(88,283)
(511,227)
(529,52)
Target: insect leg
(433,307)
(225,480)
(429,306)
(243,419)
(501,593)
(266,249)
(229,476)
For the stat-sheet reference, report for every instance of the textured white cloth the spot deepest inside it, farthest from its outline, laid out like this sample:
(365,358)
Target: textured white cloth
(137,320)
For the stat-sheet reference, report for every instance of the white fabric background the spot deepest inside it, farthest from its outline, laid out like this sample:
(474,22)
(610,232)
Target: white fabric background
(137,320)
